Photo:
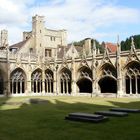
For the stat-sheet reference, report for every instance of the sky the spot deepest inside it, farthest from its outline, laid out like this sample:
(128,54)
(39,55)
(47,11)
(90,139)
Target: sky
(103,20)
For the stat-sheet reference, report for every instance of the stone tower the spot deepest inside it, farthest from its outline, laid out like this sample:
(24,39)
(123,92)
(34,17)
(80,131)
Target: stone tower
(4,38)
(38,32)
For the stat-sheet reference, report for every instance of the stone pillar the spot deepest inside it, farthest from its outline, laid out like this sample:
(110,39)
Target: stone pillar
(73,79)
(119,74)
(94,70)
(57,81)
(28,88)
(43,82)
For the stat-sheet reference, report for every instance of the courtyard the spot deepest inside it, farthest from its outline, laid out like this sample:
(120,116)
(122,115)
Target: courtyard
(45,120)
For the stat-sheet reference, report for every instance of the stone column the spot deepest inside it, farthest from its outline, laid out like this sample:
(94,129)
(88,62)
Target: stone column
(94,91)
(43,82)
(119,74)
(73,77)
(28,85)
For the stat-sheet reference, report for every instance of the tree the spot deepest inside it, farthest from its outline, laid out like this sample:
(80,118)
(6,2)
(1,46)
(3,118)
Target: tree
(126,45)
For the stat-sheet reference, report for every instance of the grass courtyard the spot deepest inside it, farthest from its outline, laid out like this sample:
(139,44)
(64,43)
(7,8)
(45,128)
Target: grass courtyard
(45,121)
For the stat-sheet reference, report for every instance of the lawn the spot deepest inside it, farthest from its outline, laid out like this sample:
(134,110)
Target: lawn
(45,121)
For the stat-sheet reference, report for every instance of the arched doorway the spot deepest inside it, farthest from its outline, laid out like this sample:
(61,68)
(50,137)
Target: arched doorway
(108,85)
(84,82)
(36,81)
(18,81)
(49,81)
(85,85)
(65,81)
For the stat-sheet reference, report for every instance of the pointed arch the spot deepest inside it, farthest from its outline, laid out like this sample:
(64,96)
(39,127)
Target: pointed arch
(49,81)
(65,81)
(18,81)
(84,71)
(108,84)
(84,79)
(132,77)
(36,81)
(85,85)
(107,69)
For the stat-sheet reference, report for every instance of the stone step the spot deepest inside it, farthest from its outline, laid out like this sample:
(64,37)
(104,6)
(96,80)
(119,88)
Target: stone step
(85,119)
(86,115)
(126,110)
(112,113)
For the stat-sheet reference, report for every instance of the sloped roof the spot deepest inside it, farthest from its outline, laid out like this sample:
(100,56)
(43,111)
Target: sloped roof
(79,48)
(112,47)
(19,44)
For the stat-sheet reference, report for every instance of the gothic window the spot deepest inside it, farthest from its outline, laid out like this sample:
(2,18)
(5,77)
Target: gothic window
(48,81)
(65,80)
(17,83)
(36,81)
(132,81)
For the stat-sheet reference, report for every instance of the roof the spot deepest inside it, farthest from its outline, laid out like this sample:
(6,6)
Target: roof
(79,48)
(18,45)
(112,47)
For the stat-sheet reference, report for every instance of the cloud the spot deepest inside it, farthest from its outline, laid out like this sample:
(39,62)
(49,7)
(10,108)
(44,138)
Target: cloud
(82,18)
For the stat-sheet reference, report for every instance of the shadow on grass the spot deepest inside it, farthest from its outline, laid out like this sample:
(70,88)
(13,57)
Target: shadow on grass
(45,121)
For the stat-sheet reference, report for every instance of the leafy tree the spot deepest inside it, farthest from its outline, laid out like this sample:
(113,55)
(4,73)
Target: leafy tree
(98,45)
(126,45)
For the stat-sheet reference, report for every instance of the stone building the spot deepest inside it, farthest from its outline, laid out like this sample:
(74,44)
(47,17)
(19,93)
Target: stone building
(43,64)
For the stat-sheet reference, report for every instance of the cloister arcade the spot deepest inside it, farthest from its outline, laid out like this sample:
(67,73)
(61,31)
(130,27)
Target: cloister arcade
(106,79)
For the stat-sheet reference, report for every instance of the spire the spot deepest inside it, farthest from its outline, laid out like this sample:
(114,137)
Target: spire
(94,48)
(132,43)
(106,49)
(118,45)
(94,45)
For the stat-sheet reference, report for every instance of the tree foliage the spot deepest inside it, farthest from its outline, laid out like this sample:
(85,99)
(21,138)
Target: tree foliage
(98,45)
(126,45)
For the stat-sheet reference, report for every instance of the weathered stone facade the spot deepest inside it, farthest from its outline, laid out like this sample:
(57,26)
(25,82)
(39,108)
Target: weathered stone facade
(43,64)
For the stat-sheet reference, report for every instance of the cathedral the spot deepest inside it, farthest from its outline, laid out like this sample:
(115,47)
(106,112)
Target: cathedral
(43,64)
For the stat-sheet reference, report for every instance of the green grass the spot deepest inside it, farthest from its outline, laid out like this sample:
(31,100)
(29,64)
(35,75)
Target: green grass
(46,121)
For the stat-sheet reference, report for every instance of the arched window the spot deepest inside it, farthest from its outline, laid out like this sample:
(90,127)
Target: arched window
(65,80)
(49,81)
(17,84)
(36,81)
(132,81)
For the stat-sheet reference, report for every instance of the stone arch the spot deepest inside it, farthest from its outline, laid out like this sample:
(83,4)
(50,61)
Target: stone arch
(132,77)
(85,85)
(84,81)
(65,81)
(18,81)
(84,71)
(107,69)
(108,84)
(107,73)
(36,81)
(49,81)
